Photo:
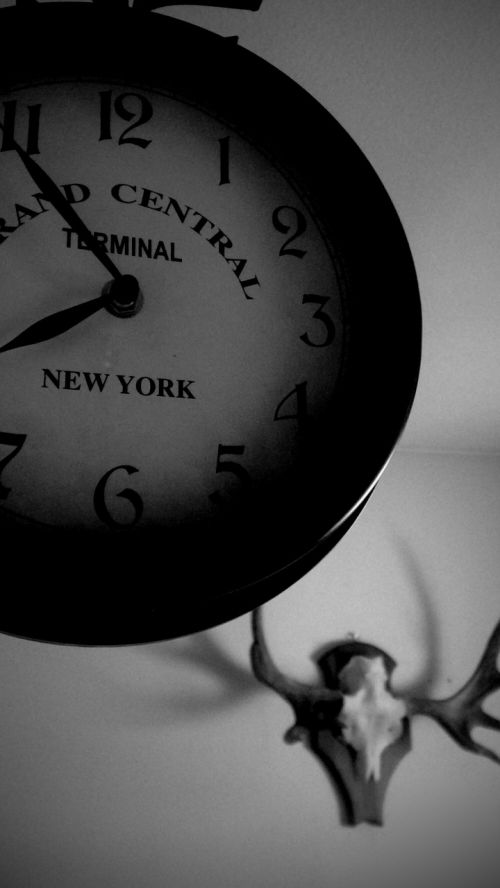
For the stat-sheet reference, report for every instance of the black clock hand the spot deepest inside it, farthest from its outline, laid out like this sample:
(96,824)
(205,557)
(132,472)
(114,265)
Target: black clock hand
(123,298)
(56,323)
(64,208)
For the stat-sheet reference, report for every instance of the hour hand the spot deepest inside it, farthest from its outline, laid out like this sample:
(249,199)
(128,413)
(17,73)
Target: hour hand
(55,324)
(122,298)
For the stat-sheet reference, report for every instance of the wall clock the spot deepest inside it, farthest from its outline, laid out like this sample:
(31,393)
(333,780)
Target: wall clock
(209,326)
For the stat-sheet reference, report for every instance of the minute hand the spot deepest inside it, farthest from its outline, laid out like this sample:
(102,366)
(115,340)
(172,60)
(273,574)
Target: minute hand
(62,205)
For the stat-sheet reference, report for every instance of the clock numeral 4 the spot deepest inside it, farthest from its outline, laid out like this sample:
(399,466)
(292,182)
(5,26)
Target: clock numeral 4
(15,442)
(132,496)
(230,465)
(131,107)
(288,220)
(297,407)
(10,125)
(329,329)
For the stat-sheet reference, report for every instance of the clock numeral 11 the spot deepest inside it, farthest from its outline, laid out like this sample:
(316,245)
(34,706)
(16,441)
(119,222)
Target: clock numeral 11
(10,125)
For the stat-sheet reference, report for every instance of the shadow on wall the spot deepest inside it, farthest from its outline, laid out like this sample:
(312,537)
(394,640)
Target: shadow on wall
(231,684)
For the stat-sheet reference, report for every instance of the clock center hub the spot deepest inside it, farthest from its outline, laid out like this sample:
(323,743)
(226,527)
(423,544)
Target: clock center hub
(124,295)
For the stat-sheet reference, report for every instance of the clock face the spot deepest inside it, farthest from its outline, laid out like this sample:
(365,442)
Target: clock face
(165,468)
(233,347)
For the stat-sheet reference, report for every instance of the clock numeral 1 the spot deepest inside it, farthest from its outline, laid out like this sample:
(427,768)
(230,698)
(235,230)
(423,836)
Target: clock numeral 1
(329,330)
(229,465)
(132,496)
(288,220)
(224,160)
(8,126)
(16,442)
(131,107)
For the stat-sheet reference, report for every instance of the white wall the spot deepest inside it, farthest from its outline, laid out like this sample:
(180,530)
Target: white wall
(164,765)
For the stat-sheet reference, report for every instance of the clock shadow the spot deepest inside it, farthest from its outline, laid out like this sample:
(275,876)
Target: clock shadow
(214,682)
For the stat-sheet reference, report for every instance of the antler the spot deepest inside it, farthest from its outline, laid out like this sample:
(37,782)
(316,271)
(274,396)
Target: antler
(266,671)
(462,712)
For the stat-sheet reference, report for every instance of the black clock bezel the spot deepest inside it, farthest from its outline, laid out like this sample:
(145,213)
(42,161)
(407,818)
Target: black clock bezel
(69,588)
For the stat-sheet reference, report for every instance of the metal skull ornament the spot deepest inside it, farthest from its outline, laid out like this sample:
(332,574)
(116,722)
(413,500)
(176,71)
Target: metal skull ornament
(358,727)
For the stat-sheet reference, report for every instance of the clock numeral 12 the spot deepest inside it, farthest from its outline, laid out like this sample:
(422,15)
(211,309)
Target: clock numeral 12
(139,110)
(16,442)
(11,123)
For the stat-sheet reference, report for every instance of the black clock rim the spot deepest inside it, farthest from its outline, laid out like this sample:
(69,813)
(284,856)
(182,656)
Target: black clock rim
(372,256)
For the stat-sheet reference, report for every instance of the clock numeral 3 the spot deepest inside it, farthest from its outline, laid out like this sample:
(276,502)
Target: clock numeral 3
(129,107)
(286,220)
(328,324)
(16,442)
(132,496)
(11,123)
(229,465)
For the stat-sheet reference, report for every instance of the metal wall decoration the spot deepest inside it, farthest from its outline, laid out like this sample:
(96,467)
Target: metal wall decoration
(359,728)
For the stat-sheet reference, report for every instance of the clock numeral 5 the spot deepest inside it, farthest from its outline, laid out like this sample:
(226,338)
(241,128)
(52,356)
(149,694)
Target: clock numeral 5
(129,107)
(16,442)
(329,330)
(229,465)
(132,496)
(11,123)
(286,220)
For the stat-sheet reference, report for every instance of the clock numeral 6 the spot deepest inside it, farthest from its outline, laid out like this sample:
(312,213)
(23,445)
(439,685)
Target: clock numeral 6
(229,465)
(132,496)
(11,123)
(286,220)
(328,324)
(16,442)
(129,107)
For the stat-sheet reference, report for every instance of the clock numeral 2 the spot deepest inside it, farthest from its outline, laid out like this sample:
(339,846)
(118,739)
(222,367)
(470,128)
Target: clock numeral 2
(132,496)
(288,220)
(16,442)
(128,107)
(11,123)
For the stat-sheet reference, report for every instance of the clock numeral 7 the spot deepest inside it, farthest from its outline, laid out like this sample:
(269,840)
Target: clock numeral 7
(229,465)
(10,125)
(16,442)
(128,107)
(132,496)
